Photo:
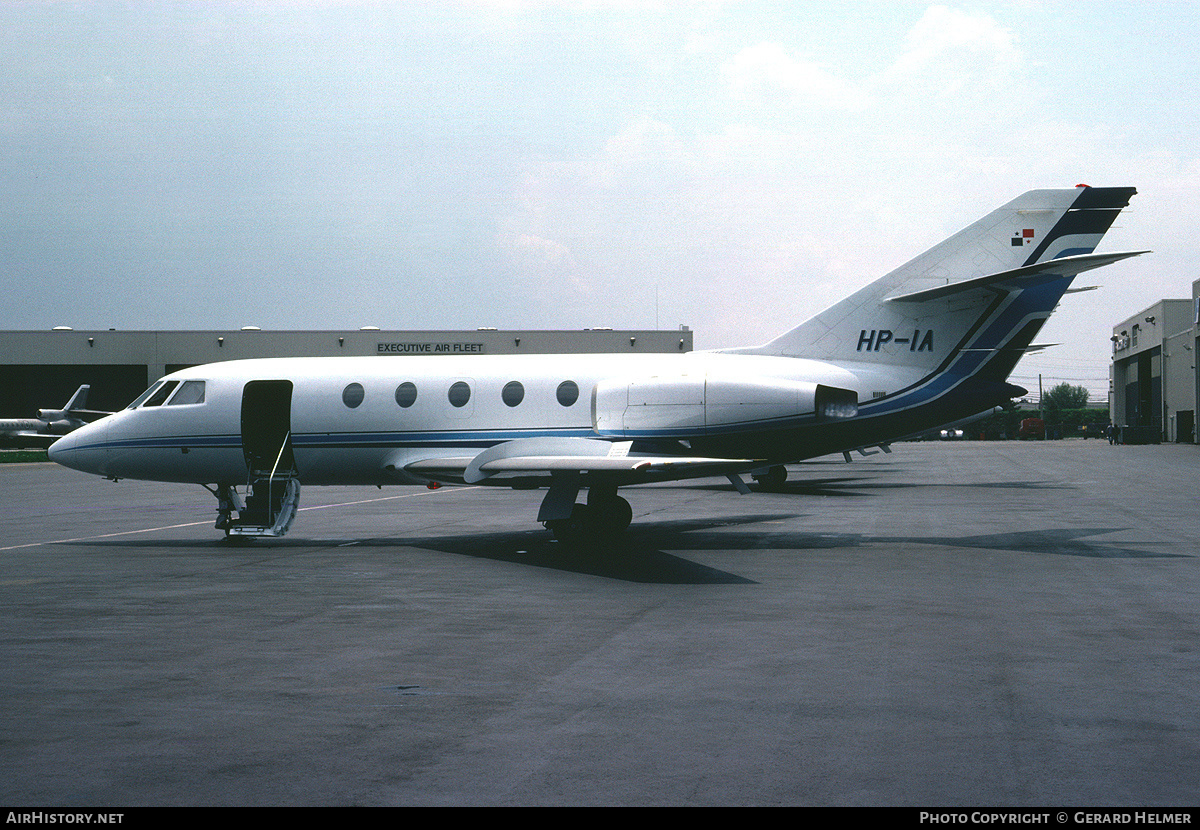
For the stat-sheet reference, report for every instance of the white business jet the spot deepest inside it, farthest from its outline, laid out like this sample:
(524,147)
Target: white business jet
(50,424)
(931,343)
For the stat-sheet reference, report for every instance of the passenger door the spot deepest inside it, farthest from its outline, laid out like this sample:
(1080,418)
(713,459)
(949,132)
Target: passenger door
(267,427)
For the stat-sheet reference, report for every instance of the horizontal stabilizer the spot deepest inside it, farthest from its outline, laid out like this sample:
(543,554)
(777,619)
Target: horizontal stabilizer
(1067,266)
(1030,349)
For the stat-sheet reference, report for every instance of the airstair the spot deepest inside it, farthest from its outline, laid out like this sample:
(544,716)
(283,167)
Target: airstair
(272,498)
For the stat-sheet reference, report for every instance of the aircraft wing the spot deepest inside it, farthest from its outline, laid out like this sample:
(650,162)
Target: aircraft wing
(685,466)
(88,413)
(540,457)
(29,439)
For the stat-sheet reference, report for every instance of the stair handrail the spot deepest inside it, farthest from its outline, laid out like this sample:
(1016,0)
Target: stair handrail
(271,478)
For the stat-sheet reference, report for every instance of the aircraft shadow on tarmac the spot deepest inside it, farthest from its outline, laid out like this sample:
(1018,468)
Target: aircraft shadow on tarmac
(848,486)
(636,556)
(641,555)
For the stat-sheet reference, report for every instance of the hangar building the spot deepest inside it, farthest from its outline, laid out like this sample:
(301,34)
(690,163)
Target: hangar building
(41,369)
(1153,381)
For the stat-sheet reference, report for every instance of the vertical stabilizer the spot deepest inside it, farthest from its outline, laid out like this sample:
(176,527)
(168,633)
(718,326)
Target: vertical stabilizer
(1037,227)
(79,399)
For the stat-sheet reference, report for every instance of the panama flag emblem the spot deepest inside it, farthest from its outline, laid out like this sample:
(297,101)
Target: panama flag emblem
(1022,237)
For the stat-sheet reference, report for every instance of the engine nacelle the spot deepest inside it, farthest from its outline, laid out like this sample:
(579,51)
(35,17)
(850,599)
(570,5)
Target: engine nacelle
(60,426)
(698,403)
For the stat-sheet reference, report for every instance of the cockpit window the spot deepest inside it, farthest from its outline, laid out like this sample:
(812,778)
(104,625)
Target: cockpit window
(192,391)
(162,393)
(142,397)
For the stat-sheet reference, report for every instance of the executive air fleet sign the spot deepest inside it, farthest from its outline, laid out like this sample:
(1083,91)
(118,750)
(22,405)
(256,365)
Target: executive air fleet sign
(430,348)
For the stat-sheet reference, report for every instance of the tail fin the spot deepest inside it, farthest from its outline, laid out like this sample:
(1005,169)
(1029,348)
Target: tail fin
(987,288)
(75,408)
(79,399)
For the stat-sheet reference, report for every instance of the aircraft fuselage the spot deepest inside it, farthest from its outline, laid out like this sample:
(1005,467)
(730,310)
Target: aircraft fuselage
(362,420)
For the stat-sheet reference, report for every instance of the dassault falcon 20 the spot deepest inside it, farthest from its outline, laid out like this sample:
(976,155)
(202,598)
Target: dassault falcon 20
(931,343)
(50,424)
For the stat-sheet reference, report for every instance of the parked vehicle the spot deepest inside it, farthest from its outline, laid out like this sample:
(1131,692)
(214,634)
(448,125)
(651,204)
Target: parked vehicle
(1032,429)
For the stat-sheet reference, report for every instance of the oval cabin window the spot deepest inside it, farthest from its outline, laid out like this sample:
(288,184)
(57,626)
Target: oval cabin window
(513,393)
(568,392)
(406,394)
(459,394)
(353,395)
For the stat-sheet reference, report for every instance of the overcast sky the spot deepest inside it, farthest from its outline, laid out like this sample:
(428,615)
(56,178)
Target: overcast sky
(733,166)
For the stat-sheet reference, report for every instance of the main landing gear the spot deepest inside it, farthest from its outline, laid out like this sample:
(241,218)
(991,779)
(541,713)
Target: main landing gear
(771,478)
(605,514)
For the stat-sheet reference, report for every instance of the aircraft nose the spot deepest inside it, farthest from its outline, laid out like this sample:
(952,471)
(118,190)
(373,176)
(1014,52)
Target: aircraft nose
(61,449)
(82,449)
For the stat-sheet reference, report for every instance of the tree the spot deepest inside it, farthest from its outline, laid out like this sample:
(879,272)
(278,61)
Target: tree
(1064,397)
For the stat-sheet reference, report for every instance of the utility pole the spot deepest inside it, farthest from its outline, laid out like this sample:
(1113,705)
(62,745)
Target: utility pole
(1041,412)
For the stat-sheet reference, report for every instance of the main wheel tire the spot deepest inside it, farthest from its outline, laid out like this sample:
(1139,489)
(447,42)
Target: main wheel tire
(601,516)
(773,478)
(574,528)
(614,514)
